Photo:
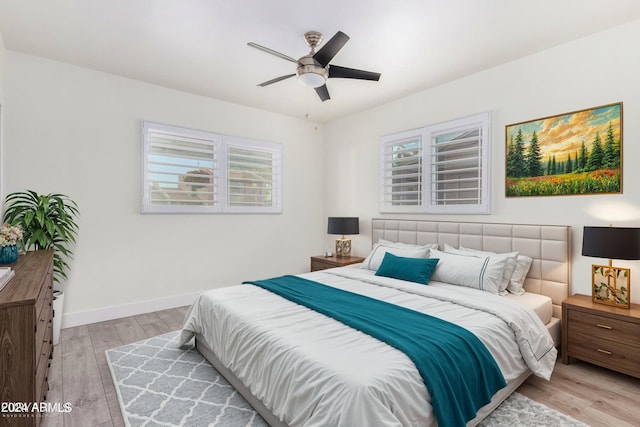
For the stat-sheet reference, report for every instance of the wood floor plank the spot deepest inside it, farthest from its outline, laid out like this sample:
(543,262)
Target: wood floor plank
(110,394)
(152,324)
(81,382)
(570,405)
(103,337)
(588,393)
(129,330)
(174,317)
(591,385)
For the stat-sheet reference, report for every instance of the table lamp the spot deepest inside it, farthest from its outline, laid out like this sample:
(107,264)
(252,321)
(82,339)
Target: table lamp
(343,226)
(611,285)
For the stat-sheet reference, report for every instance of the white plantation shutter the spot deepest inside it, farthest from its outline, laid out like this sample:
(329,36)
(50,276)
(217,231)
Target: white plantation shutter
(401,172)
(253,177)
(458,158)
(181,172)
(189,171)
(449,162)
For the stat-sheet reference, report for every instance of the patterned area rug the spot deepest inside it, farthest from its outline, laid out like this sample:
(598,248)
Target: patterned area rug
(159,384)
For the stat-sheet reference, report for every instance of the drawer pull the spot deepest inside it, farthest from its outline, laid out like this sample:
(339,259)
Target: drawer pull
(603,326)
(604,351)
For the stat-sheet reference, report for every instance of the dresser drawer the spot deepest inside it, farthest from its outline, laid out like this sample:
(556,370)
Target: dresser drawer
(43,362)
(45,292)
(612,354)
(43,321)
(601,327)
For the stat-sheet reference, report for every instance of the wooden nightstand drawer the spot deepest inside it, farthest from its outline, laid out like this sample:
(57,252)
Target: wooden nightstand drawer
(320,265)
(607,353)
(603,328)
(322,262)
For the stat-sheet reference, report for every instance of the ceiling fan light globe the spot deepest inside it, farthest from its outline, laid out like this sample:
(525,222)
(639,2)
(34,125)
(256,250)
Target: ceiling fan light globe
(311,79)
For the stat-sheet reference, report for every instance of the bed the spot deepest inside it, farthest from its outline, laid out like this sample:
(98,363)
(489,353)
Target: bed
(337,375)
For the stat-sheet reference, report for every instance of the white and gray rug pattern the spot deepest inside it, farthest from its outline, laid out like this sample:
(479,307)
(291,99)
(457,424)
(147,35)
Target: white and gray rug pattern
(159,384)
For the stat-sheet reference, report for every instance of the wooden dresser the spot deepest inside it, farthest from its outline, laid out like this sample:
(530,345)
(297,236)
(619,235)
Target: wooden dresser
(601,334)
(26,336)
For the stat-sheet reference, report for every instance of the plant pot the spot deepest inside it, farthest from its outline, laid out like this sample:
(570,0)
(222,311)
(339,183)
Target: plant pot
(58,302)
(8,254)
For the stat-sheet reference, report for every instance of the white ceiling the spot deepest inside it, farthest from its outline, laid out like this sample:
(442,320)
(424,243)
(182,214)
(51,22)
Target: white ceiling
(200,46)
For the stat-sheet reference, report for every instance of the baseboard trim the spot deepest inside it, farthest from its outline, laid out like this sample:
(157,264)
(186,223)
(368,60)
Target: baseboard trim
(79,318)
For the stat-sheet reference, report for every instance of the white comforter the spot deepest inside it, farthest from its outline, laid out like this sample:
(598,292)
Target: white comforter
(310,370)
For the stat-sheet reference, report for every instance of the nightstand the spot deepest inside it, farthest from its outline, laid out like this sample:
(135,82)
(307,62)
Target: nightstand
(323,262)
(600,334)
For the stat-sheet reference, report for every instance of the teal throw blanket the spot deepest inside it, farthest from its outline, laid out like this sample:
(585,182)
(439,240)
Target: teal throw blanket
(458,370)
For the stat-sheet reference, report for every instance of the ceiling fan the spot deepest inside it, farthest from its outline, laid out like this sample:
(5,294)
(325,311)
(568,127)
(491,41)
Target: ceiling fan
(314,69)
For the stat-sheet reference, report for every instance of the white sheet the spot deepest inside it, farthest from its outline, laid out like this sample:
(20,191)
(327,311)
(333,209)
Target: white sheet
(310,370)
(542,305)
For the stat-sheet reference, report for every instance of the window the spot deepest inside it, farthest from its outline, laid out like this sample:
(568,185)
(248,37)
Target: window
(189,171)
(402,170)
(442,168)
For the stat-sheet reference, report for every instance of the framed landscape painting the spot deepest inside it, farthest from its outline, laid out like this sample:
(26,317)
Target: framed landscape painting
(572,153)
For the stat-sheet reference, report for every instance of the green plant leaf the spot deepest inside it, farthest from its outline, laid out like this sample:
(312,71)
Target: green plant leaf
(48,221)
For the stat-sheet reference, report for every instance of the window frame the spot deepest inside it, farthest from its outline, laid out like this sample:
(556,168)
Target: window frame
(221,144)
(428,134)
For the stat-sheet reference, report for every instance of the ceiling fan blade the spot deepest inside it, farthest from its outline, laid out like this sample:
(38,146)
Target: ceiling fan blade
(331,48)
(352,73)
(271,51)
(323,92)
(276,80)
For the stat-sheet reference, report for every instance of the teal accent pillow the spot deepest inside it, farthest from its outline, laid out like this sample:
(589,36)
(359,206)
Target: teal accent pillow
(418,270)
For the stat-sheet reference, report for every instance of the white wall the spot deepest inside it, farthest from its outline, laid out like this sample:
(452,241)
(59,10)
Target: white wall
(2,73)
(2,67)
(593,71)
(77,131)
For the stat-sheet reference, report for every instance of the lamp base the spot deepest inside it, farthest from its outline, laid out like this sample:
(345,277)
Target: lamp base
(611,285)
(343,247)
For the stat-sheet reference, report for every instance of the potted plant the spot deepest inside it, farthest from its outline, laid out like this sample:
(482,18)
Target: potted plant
(47,222)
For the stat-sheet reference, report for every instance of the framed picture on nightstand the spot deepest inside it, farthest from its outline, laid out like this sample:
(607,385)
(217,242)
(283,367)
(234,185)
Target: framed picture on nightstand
(610,285)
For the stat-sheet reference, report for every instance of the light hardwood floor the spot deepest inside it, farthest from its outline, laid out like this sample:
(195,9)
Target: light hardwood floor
(80,375)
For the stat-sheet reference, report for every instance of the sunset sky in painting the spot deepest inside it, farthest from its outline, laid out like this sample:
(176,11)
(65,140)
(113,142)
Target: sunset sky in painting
(564,134)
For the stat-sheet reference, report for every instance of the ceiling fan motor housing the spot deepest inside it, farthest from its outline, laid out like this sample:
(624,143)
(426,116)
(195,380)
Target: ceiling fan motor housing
(310,72)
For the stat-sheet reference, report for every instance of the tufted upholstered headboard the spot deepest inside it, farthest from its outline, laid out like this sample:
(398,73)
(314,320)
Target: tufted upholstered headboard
(548,245)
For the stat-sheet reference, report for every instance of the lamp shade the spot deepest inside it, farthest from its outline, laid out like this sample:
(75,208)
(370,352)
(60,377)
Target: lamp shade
(611,242)
(343,225)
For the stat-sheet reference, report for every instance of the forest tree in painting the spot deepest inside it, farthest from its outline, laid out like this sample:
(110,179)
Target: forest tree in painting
(573,153)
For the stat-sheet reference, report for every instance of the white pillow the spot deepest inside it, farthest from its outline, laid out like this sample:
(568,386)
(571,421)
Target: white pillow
(374,259)
(519,272)
(516,284)
(508,269)
(473,271)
